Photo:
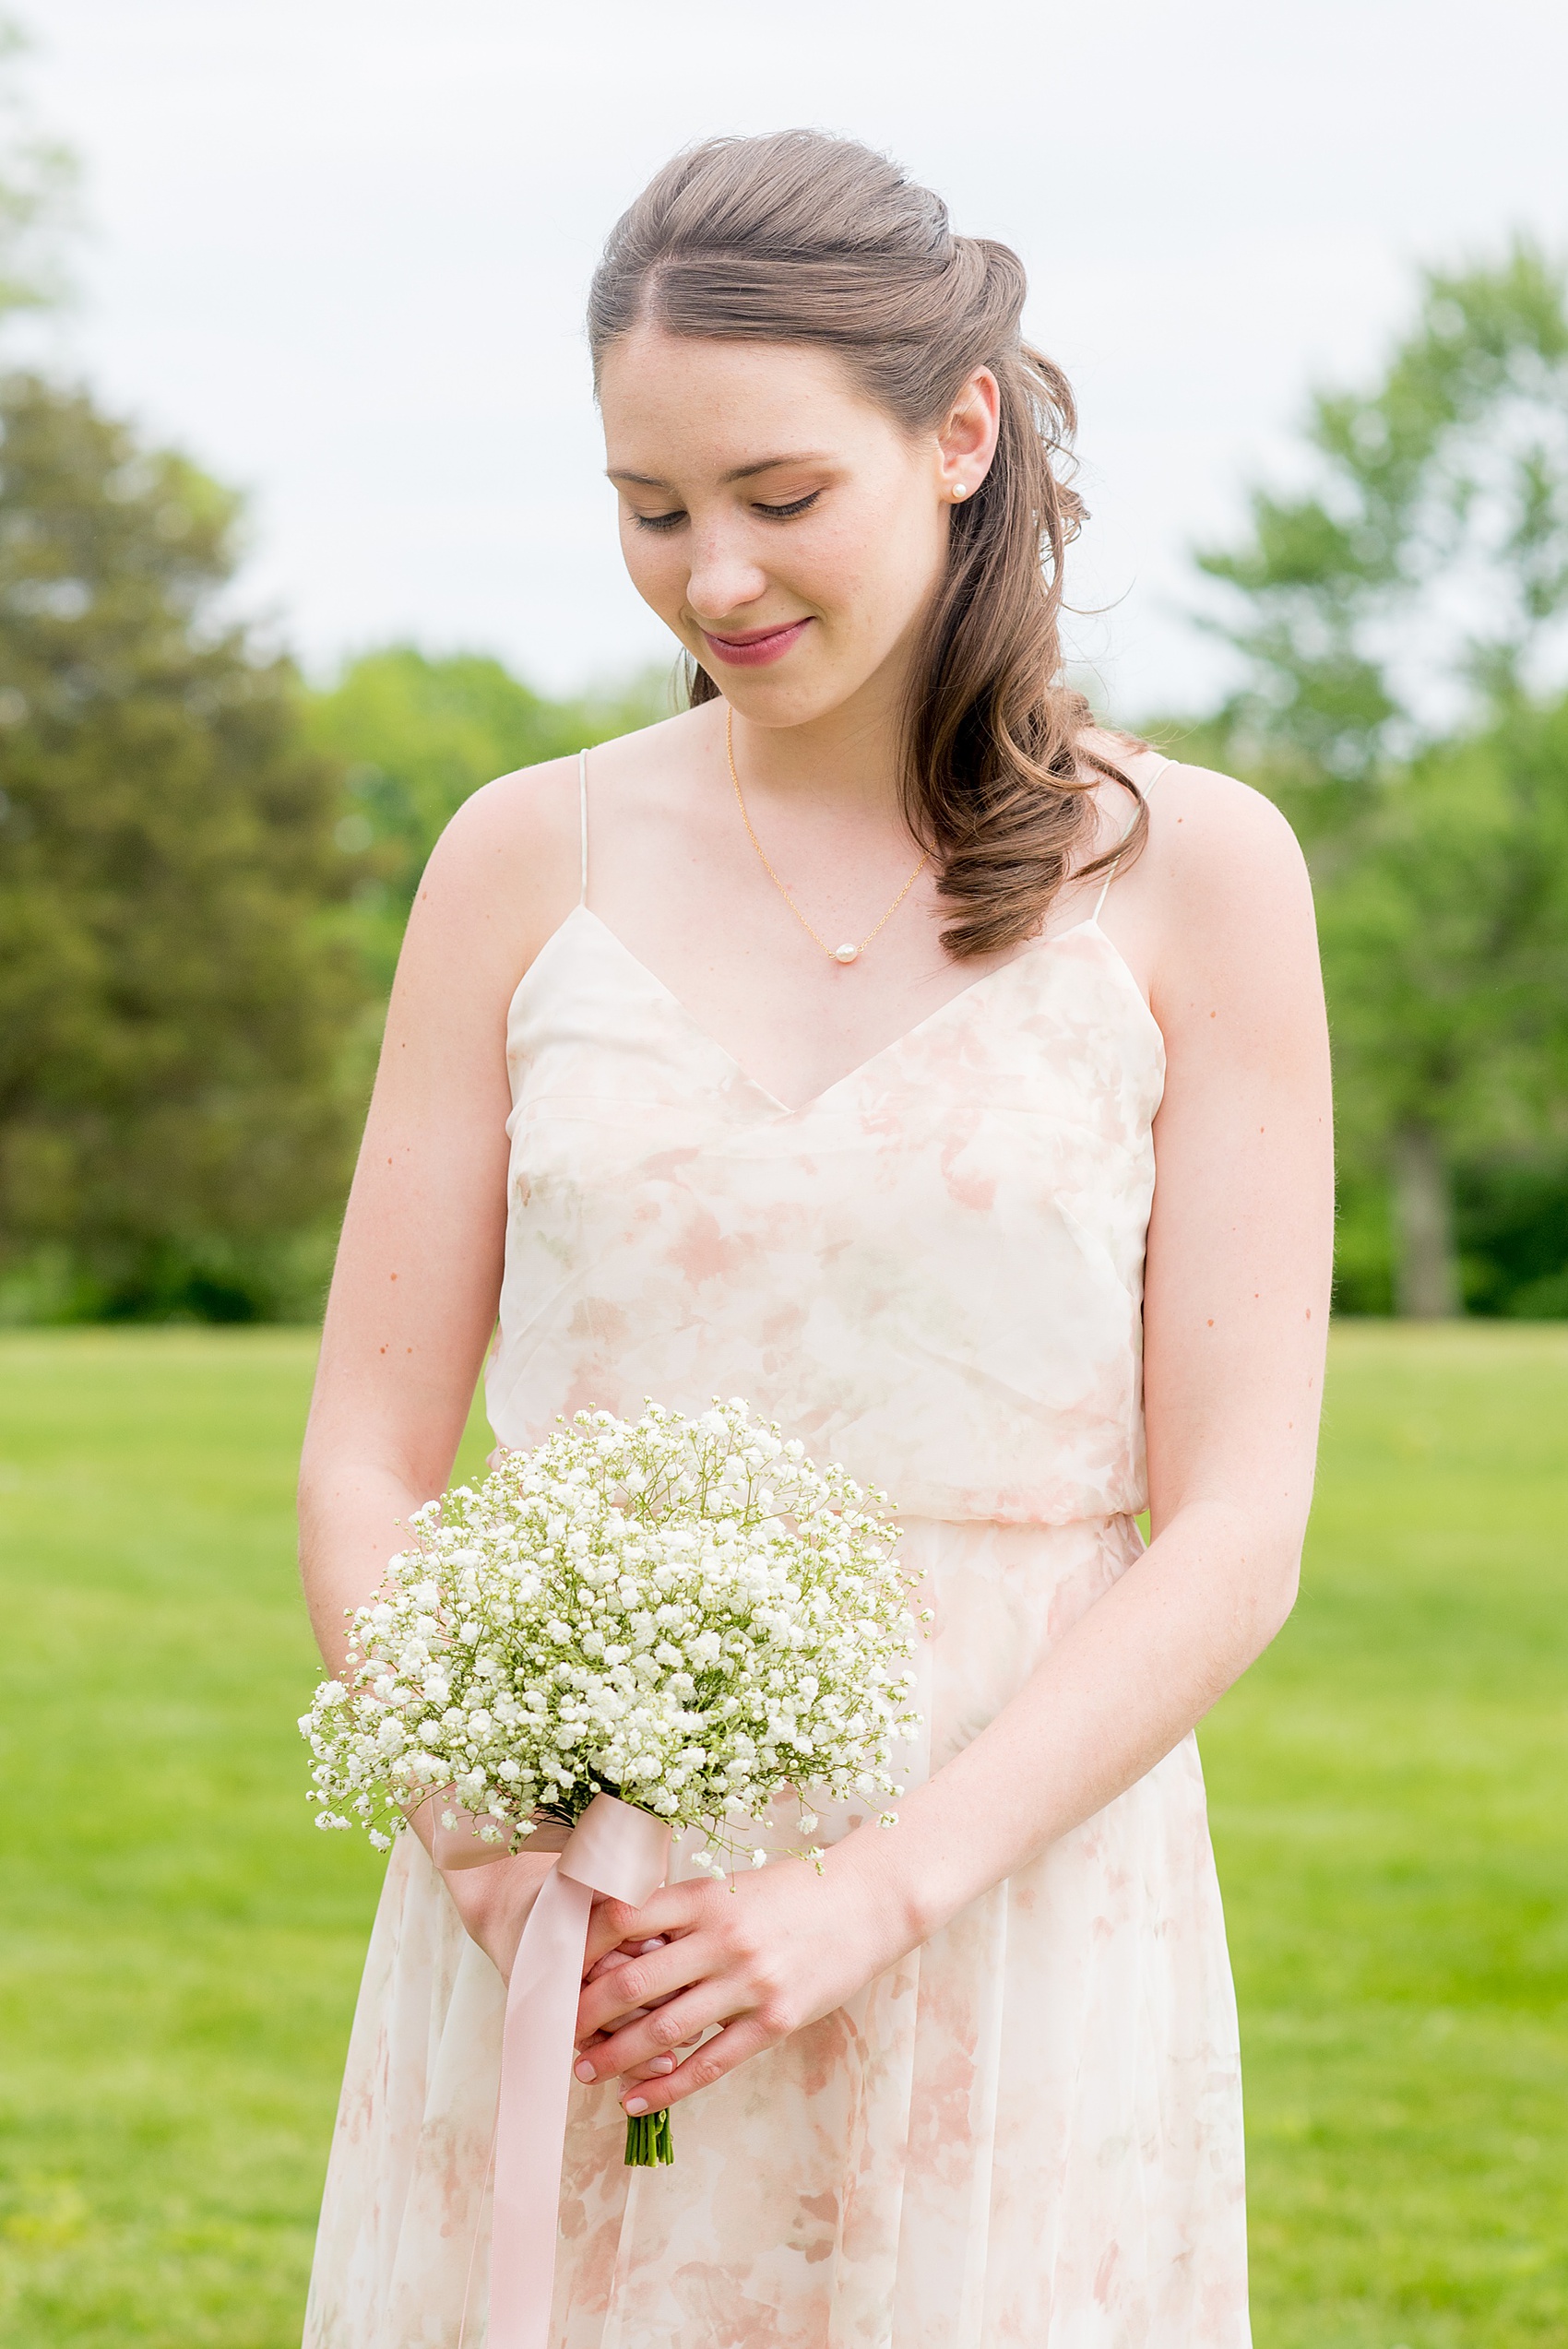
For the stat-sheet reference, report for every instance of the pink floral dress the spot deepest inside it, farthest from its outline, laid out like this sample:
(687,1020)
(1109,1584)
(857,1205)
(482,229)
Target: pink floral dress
(1027,2133)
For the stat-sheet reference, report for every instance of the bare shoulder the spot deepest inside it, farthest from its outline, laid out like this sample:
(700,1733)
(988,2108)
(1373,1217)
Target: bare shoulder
(498,881)
(1228,909)
(508,869)
(1198,816)
(1221,870)
(517,834)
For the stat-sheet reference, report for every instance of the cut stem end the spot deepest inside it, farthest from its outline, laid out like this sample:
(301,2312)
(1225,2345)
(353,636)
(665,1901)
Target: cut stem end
(648,2140)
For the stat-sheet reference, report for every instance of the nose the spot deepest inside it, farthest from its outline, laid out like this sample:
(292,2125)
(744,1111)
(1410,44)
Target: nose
(725,577)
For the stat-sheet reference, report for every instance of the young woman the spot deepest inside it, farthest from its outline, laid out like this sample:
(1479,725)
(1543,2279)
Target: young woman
(829,1045)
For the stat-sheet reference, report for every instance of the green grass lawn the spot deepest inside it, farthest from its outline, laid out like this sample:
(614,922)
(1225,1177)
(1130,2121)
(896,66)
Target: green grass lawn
(180,1950)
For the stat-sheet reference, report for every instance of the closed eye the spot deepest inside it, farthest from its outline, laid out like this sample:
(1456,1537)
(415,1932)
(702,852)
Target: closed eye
(788,513)
(772,513)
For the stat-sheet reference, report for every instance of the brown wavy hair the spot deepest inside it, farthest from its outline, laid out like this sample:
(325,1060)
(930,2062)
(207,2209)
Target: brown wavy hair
(800,238)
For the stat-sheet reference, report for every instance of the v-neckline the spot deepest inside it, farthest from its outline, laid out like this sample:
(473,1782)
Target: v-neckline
(814,1101)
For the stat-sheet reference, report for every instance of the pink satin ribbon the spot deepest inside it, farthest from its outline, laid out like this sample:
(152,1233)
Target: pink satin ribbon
(614,1849)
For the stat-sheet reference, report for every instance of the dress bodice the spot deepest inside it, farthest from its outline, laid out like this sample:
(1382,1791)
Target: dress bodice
(932,1272)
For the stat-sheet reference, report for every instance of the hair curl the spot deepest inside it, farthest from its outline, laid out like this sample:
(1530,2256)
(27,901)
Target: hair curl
(798,237)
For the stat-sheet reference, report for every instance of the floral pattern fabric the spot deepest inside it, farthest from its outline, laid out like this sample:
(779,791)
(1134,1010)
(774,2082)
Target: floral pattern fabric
(1028,2131)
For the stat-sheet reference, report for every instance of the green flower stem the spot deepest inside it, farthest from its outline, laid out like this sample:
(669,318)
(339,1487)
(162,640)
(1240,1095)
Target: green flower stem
(648,2140)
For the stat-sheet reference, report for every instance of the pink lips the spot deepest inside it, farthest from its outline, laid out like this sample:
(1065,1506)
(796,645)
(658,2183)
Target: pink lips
(756,647)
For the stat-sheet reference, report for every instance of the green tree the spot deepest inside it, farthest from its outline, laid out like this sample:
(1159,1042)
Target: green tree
(174,995)
(1402,629)
(415,734)
(204,869)
(1445,941)
(1422,580)
(38,182)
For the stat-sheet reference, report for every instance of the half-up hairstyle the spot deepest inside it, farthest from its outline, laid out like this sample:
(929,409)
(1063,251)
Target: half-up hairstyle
(800,238)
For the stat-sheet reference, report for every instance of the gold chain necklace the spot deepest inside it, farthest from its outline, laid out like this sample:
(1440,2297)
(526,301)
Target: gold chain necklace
(835,953)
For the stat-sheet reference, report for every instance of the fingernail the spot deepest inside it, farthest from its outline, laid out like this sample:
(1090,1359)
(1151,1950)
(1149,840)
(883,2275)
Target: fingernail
(636,2105)
(583,2069)
(662,2063)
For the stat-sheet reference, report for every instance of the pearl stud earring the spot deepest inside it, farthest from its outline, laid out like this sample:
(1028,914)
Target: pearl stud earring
(959,491)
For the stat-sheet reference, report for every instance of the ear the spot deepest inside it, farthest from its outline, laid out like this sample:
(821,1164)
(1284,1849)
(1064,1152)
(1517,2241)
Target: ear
(966,442)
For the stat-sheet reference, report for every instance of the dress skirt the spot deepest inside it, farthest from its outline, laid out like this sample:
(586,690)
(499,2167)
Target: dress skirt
(1025,2135)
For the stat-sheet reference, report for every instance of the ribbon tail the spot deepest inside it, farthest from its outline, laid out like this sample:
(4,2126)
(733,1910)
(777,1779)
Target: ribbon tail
(536,2079)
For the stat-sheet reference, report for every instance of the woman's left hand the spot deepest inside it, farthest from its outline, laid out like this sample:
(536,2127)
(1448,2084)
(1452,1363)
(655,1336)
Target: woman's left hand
(756,1954)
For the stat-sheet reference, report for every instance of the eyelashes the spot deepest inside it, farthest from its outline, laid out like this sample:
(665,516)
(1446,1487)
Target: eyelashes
(788,513)
(773,513)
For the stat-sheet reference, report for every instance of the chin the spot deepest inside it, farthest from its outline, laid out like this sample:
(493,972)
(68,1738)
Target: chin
(777,697)
(785,706)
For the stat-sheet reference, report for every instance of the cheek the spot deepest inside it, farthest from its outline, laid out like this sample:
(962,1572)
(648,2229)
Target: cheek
(878,571)
(655,566)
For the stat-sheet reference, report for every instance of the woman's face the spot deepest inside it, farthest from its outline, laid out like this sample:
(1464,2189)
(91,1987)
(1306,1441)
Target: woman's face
(784,526)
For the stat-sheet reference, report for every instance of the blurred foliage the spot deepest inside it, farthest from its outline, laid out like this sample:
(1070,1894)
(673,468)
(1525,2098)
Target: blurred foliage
(205,866)
(413,735)
(38,182)
(1423,579)
(1402,627)
(1445,936)
(1443,912)
(176,1125)
(174,988)
(205,870)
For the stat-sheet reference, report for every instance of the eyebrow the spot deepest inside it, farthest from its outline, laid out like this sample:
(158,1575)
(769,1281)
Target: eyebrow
(736,473)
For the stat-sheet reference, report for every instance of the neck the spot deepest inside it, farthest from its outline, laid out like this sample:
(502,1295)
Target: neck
(847,758)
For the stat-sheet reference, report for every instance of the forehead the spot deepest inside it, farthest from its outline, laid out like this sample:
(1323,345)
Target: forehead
(685,399)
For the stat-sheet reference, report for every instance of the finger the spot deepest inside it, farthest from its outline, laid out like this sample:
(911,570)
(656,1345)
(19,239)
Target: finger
(611,1925)
(598,2038)
(670,2026)
(747,2036)
(633,2015)
(674,1908)
(656,2067)
(614,2002)
(643,1982)
(619,1954)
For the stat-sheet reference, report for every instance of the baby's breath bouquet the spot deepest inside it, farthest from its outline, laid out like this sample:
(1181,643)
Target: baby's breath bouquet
(684,1613)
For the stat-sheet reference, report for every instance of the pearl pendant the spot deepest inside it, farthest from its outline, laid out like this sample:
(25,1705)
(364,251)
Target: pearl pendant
(845,953)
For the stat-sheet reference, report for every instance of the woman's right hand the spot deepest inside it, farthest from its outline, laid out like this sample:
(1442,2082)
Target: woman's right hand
(494,1902)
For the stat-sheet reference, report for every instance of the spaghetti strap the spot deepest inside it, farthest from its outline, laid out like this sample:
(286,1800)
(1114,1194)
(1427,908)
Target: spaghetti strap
(1110,870)
(582,817)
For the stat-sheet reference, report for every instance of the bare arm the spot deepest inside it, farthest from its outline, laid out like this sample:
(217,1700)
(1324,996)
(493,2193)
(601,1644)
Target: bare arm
(417,1276)
(1236,1310)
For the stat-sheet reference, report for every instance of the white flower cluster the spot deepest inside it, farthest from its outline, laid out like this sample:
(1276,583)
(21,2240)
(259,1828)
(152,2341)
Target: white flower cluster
(686,1613)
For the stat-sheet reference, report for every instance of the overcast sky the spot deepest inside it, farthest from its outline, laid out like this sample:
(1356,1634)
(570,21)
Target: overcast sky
(339,249)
